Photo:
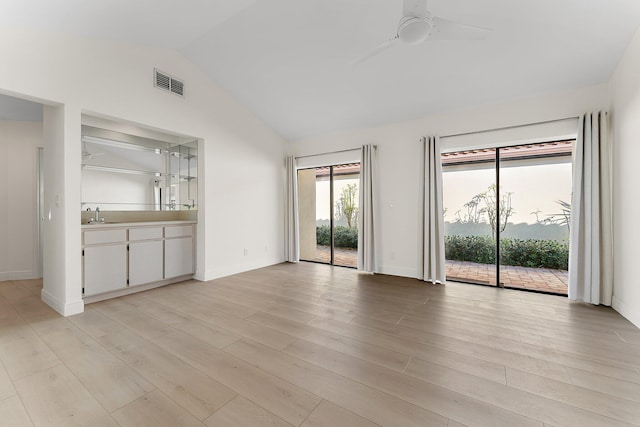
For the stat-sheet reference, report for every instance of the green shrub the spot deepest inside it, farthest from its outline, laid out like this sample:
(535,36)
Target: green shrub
(535,253)
(524,253)
(344,237)
(323,235)
(480,249)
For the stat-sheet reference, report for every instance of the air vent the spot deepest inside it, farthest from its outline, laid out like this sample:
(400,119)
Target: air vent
(166,82)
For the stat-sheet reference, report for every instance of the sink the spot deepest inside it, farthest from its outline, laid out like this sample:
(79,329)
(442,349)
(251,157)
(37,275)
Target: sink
(101,222)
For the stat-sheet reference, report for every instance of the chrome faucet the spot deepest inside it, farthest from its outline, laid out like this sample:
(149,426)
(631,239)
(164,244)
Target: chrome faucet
(97,217)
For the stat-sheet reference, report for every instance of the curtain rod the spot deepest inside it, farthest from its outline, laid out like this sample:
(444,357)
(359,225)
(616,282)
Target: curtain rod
(509,127)
(332,152)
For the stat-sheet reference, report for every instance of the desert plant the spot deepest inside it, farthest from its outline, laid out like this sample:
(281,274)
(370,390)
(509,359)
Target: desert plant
(346,206)
(562,218)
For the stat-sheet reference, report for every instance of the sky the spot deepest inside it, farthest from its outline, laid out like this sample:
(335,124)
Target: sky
(533,188)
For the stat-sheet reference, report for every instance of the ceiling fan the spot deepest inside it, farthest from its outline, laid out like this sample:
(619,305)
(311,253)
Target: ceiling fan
(418,25)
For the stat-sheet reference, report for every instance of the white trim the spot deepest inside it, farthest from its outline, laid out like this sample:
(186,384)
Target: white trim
(341,157)
(65,309)
(515,135)
(18,275)
(632,316)
(135,289)
(236,269)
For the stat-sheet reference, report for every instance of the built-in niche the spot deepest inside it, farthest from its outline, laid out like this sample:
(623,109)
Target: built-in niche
(128,172)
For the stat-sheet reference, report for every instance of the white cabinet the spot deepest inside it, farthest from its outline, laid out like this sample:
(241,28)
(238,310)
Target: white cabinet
(121,256)
(145,262)
(178,250)
(178,257)
(146,255)
(105,268)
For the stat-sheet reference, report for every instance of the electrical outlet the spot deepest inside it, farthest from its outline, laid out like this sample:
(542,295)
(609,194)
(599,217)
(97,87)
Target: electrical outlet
(246,251)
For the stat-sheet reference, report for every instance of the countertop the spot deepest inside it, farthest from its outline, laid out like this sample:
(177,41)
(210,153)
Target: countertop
(102,226)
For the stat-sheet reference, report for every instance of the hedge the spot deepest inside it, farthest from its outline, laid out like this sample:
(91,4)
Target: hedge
(344,237)
(524,253)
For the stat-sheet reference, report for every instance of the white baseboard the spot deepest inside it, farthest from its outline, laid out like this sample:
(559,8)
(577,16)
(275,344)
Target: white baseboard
(627,312)
(236,269)
(17,275)
(65,309)
(135,289)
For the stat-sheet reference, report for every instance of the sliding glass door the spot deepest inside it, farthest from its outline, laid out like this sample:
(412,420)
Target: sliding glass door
(535,204)
(469,179)
(328,214)
(507,213)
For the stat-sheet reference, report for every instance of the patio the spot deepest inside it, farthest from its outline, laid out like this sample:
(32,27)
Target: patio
(535,279)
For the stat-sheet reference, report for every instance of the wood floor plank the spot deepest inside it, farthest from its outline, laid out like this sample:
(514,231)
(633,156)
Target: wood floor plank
(328,414)
(236,325)
(155,410)
(538,360)
(421,393)
(127,315)
(13,414)
(389,358)
(23,352)
(367,402)
(261,302)
(112,382)
(96,324)
(197,393)
(6,386)
(289,402)
(607,405)
(313,345)
(528,404)
(55,397)
(241,412)
(181,321)
(611,386)
(427,346)
(582,357)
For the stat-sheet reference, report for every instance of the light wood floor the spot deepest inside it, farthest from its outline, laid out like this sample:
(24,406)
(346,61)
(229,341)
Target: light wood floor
(314,345)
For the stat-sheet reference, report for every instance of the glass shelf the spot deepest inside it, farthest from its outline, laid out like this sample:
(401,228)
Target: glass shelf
(127,172)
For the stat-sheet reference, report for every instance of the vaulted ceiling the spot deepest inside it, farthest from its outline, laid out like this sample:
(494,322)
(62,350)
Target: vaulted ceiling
(290,60)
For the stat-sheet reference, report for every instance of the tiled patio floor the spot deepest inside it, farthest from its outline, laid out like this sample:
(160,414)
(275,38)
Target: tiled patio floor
(345,257)
(538,279)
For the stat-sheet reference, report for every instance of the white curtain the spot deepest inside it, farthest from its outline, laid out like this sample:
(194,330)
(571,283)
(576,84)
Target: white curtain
(291,214)
(368,218)
(431,262)
(591,246)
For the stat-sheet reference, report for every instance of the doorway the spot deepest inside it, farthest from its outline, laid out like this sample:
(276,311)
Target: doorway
(507,216)
(328,208)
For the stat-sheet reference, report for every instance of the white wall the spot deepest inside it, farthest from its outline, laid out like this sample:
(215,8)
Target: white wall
(242,171)
(625,116)
(18,218)
(399,151)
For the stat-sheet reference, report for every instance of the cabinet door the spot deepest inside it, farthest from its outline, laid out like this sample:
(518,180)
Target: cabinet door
(145,262)
(178,257)
(105,268)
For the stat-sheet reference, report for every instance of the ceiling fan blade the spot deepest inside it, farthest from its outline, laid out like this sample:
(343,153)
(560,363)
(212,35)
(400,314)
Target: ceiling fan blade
(375,51)
(417,8)
(443,29)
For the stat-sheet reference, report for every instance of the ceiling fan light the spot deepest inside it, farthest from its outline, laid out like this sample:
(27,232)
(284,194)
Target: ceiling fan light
(414,30)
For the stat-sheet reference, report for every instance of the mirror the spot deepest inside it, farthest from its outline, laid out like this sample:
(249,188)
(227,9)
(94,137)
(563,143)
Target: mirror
(122,172)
